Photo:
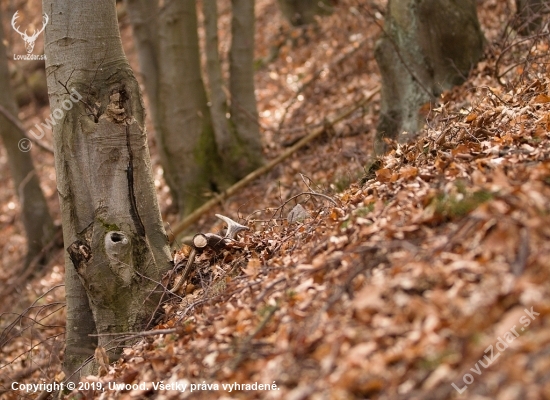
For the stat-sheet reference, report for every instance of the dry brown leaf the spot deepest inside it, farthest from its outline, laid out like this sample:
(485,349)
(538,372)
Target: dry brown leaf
(102,360)
(541,98)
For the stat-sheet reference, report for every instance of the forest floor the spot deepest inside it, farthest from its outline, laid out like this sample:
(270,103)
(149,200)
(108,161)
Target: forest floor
(423,274)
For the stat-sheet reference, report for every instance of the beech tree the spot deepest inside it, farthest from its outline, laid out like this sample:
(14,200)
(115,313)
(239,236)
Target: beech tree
(206,141)
(427,47)
(117,249)
(36,218)
(246,150)
(190,159)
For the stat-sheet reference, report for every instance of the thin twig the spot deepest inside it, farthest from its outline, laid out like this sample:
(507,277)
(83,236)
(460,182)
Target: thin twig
(498,75)
(135,334)
(186,271)
(28,270)
(268,288)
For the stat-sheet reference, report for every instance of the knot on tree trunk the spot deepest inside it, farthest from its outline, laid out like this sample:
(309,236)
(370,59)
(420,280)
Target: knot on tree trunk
(80,253)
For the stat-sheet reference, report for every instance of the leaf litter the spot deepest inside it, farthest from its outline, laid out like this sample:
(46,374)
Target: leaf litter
(397,286)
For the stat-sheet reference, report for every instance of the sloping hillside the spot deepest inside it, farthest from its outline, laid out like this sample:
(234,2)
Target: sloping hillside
(420,275)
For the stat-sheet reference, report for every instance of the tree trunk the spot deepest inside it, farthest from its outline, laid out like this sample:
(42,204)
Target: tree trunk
(237,137)
(117,248)
(192,166)
(303,12)
(37,221)
(427,47)
(247,147)
(144,20)
(213,150)
(218,100)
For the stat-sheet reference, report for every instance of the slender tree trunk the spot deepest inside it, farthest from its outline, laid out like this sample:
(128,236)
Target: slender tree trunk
(218,100)
(37,221)
(117,249)
(144,19)
(427,47)
(244,114)
(176,91)
(201,149)
(237,137)
(187,144)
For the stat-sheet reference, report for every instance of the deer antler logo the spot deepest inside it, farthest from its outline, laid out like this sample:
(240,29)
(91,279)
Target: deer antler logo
(29,40)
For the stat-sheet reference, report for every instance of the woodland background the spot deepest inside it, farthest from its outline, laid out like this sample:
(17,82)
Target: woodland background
(392,288)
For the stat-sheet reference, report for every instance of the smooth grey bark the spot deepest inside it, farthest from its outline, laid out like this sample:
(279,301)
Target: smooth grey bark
(303,12)
(241,73)
(144,20)
(530,15)
(200,148)
(179,110)
(117,249)
(427,47)
(218,100)
(37,222)
(236,126)
(243,109)
(187,143)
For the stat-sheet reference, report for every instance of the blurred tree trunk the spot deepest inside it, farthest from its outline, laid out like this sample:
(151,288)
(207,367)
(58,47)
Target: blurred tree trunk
(219,108)
(530,15)
(144,19)
(303,12)
(201,149)
(236,127)
(192,165)
(427,47)
(247,149)
(37,221)
(116,245)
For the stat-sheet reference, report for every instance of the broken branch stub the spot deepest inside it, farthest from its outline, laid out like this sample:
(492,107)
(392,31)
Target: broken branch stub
(200,241)
(211,240)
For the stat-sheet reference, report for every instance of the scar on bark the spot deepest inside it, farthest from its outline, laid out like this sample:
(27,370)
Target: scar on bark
(116,113)
(80,253)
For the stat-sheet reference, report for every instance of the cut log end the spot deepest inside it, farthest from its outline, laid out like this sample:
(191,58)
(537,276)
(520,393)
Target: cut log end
(200,241)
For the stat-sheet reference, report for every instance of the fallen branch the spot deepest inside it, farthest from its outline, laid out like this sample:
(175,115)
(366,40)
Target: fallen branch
(199,212)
